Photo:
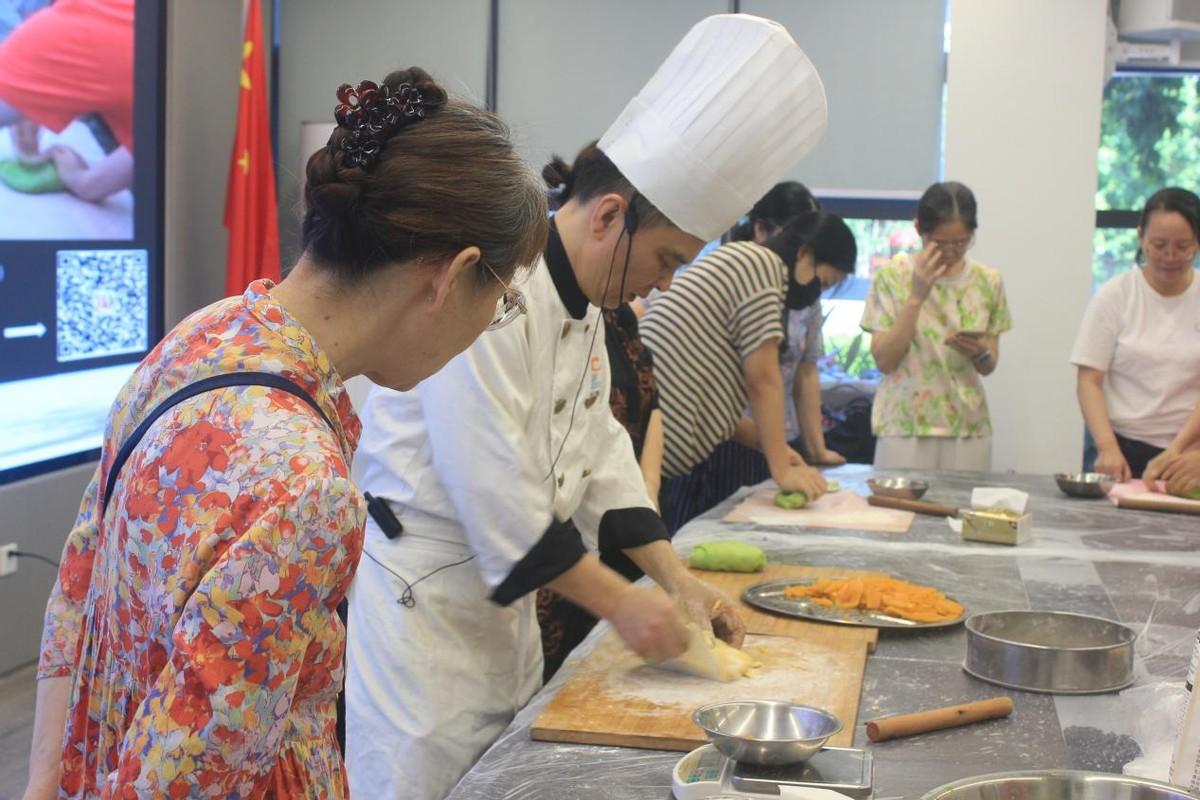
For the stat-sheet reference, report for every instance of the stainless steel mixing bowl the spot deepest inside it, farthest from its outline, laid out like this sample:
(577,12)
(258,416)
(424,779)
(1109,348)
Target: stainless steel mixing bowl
(1084,484)
(1050,651)
(906,488)
(1057,785)
(766,731)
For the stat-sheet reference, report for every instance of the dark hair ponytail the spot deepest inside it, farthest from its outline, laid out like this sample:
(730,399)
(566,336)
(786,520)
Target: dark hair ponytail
(822,233)
(946,202)
(439,184)
(594,174)
(784,201)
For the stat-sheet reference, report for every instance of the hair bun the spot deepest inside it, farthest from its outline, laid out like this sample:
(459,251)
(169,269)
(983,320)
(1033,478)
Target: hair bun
(433,96)
(557,173)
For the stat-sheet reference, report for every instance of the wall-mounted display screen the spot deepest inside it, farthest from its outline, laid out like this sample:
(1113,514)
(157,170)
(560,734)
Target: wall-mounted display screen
(81,162)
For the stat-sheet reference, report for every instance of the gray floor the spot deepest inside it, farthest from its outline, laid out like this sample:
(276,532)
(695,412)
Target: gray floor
(16,724)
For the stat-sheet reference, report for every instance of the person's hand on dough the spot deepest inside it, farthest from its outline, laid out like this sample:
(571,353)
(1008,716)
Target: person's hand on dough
(647,621)
(709,608)
(1182,475)
(1157,466)
(25,138)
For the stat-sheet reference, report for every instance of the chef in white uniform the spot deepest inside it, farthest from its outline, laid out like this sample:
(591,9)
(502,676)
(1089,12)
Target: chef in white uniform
(506,470)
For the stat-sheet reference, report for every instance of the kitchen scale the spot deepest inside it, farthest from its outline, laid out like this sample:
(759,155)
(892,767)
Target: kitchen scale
(706,774)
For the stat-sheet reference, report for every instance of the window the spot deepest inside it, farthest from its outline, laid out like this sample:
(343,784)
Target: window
(882,229)
(1148,140)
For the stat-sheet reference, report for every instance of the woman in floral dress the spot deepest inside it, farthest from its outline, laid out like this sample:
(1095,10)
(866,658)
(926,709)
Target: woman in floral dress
(935,321)
(191,644)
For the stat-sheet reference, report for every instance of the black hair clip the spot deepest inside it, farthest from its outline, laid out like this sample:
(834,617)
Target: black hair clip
(371,114)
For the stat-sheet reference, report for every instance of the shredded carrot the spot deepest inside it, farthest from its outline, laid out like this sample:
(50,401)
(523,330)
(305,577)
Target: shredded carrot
(889,595)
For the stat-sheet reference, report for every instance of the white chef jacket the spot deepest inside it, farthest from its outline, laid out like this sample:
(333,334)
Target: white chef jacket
(513,439)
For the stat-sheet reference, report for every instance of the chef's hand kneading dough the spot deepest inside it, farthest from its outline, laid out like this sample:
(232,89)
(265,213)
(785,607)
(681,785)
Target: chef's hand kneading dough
(709,657)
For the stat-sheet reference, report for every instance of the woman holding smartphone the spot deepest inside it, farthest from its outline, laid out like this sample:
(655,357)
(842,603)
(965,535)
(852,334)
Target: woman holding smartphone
(935,320)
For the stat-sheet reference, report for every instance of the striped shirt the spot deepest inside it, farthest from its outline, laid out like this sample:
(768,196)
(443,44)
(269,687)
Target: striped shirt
(716,313)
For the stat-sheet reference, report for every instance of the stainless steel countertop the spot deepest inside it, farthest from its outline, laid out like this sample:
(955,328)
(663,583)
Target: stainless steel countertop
(1140,568)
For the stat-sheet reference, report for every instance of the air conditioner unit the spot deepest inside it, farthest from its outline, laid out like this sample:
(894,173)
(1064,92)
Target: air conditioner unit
(1159,20)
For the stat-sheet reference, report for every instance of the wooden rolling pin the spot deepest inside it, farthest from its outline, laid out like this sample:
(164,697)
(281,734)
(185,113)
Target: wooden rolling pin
(918,506)
(880,730)
(1164,505)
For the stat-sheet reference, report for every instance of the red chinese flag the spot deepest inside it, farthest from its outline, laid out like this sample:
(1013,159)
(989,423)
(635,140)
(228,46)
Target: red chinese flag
(250,204)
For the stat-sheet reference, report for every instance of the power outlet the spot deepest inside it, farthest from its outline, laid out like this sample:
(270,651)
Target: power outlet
(8,559)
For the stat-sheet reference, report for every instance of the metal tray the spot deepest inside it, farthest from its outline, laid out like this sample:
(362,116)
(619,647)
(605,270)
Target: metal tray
(1057,784)
(1050,651)
(769,597)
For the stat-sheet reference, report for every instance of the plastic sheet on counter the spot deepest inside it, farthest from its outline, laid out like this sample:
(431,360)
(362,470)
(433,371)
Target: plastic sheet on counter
(1139,568)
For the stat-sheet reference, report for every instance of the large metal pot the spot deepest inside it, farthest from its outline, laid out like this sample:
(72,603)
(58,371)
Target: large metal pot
(1050,651)
(1057,785)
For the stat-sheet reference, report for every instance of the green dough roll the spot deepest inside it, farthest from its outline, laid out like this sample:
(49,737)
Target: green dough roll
(31,179)
(728,557)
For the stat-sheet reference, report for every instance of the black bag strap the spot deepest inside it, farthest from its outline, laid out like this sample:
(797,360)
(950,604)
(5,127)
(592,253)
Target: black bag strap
(222,381)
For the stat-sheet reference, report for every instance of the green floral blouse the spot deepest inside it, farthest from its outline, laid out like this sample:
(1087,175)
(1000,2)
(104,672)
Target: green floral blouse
(936,390)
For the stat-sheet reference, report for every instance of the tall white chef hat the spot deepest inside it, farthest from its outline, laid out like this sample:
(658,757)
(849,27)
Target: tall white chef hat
(736,104)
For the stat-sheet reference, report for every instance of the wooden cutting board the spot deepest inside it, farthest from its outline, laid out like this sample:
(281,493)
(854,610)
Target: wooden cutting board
(614,698)
(764,622)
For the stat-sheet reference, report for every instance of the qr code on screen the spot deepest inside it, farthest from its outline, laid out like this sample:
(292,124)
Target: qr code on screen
(103,303)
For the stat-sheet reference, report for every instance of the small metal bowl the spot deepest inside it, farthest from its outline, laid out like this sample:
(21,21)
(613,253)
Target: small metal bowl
(907,488)
(765,731)
(1050,651)
(1057,784)
(1085,484)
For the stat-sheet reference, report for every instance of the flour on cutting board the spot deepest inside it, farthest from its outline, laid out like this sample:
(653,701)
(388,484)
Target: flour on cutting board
(786,675)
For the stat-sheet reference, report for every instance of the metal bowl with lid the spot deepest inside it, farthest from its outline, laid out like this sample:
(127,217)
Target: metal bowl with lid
(905,488)
(1057,784)
(1085,484)
(1050,651)
(766,731)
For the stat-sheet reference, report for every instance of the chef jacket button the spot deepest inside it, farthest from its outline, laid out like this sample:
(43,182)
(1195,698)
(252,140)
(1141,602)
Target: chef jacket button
(566,329)
(559,405)
(587,328)
(587,472)
(591,398)
(562,477)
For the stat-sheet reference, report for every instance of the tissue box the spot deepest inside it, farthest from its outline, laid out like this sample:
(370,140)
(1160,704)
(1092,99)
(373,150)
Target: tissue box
(997,527)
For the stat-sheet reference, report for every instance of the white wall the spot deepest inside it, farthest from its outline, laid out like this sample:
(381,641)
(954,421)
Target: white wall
(566,69)
(203,55)
(1022,130)
(326,43)
(883,66)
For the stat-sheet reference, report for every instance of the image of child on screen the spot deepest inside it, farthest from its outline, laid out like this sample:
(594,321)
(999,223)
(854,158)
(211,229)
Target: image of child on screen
(66,97)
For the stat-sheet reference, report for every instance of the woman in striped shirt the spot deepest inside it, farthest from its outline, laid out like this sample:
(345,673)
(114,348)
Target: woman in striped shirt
(715,337)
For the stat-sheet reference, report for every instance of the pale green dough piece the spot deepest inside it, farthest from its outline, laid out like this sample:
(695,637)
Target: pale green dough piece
(1191,494)
(791,500)
(728,557)
(832,486)
(31,179)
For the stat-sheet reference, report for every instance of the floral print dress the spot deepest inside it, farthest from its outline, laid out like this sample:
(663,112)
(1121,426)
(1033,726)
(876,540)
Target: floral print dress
(936,390)
(197,618)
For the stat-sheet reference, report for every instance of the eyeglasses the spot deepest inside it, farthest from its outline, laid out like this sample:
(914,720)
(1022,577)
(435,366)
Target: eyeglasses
(1166,249)
(510,305)
(953,245)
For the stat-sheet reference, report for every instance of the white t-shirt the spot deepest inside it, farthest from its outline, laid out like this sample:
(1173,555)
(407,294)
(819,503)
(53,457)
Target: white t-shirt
(1148,346)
